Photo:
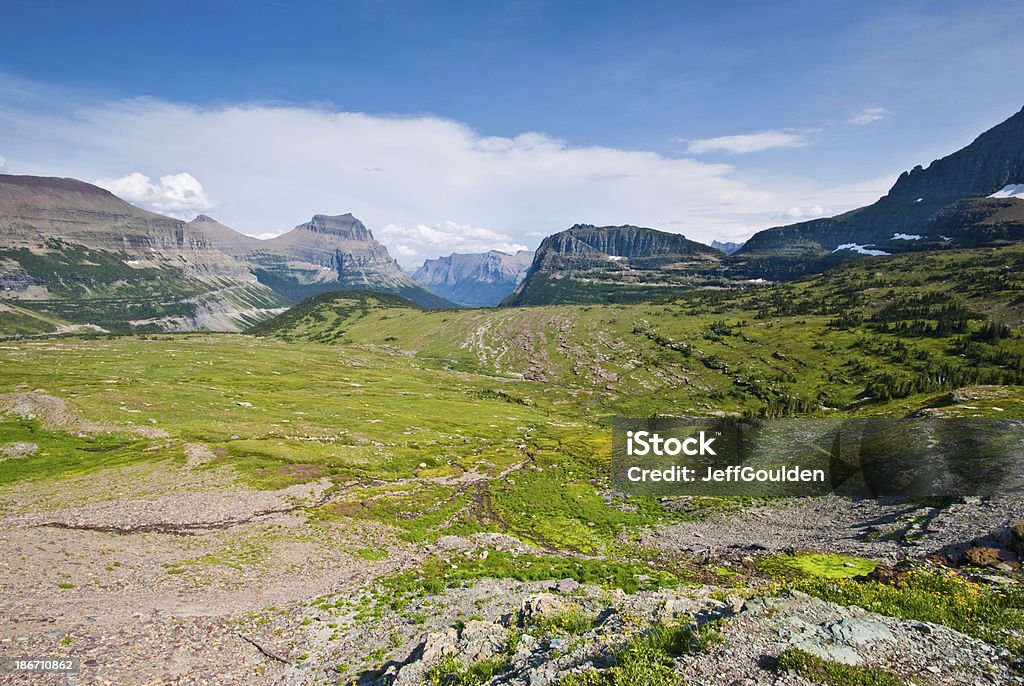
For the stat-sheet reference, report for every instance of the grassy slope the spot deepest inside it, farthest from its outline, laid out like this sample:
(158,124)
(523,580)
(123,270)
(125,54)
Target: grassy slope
(796,348)
(18,320)
(99,287)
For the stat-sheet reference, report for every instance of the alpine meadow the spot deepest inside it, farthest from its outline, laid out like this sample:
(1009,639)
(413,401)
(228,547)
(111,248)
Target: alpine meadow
(366,452)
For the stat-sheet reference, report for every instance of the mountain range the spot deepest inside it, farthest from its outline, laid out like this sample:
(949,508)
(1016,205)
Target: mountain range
(327,253)
(73,253)
(475,279)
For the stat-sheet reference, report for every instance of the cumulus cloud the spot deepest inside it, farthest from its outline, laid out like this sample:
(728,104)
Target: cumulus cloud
(425,185)
(751,142)
(867,116)
(176,195)
(802,213)
(270,168)
(417,243)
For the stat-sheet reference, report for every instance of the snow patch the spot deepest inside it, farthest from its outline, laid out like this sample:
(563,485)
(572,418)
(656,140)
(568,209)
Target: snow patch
(906,237)
(945,238)
(757,281)
(860,249)
(1014,190)
(616,258)
(919,200)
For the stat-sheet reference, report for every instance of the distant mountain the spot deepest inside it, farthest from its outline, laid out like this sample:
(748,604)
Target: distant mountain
(327,253)
(73,253)
(594,264)
(961,200)
(727,247)
(475,279)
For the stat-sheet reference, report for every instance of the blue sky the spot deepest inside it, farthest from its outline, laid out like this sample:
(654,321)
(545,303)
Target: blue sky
(472,125)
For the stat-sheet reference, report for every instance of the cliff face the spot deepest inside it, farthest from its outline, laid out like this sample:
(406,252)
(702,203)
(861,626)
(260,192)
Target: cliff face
(944,205)
(475,279)
(613,263)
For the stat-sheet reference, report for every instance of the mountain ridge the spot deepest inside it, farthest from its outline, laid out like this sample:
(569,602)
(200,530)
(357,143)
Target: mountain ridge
(475,279)
(946,204)
(74,252)
(587,263)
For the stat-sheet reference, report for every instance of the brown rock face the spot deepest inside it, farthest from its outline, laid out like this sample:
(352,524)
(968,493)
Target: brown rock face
(1017,536)
(989,557)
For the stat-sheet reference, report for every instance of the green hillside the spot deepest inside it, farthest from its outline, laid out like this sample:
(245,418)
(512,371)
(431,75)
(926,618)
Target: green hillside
(879,335)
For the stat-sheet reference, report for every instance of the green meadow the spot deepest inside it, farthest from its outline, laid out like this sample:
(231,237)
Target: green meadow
(412,415)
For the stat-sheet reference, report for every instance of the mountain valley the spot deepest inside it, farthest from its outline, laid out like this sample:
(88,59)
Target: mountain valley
(286,462)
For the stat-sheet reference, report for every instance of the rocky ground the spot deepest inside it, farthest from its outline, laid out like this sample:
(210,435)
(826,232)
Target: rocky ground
(751,633)
(197,580)
(178,574)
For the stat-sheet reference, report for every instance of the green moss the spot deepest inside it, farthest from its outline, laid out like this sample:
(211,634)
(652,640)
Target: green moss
(372,554)
(435,574)
(817,565)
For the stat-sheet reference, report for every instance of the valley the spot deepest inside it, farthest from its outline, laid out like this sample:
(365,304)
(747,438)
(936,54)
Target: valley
(362,490)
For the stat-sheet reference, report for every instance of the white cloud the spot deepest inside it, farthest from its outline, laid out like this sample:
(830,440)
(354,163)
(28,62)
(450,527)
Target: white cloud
(436,185)
(420,242)
(867,116)
(802,213)
(176,195)
(751,142)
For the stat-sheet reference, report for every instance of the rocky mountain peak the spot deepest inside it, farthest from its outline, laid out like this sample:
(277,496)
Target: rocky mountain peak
(947,204)
(618,241)
(993,160)
(344,226)
(587,263)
